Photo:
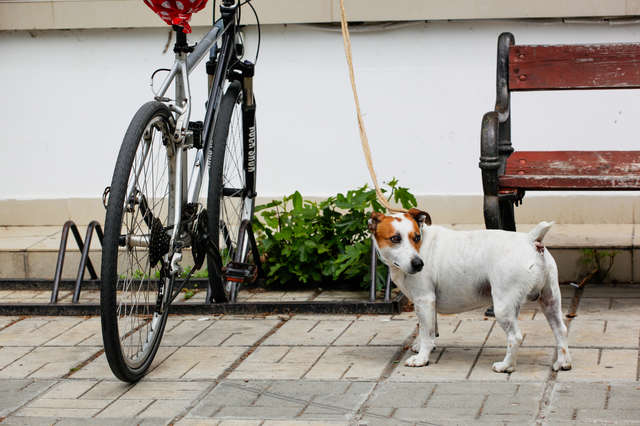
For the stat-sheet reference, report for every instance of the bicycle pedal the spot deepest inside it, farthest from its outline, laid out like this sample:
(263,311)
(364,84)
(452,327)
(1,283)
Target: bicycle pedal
(238,272)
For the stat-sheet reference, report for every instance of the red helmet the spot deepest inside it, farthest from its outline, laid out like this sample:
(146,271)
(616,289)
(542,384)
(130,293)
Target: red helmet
(176,12)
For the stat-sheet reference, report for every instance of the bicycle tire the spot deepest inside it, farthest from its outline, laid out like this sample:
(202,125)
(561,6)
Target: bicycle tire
(131,329)
(228,171)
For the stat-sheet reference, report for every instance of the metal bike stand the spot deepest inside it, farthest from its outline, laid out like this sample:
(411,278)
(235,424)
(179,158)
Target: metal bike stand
(372,287)
(85,262)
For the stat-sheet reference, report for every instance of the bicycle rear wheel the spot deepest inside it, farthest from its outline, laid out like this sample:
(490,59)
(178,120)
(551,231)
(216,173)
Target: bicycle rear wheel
(232,173)
(138,227)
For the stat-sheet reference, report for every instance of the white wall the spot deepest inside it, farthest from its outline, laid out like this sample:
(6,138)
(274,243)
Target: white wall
(68,97)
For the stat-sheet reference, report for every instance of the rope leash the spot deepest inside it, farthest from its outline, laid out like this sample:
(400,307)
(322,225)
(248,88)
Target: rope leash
(363,134)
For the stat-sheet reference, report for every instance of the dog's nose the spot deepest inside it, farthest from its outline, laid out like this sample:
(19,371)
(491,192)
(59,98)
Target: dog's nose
(417,264)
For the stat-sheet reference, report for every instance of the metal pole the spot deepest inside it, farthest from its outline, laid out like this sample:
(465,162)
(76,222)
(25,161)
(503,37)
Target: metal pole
(387,289)
(372,290)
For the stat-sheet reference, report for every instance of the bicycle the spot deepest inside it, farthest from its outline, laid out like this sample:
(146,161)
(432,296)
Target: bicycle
(153,212)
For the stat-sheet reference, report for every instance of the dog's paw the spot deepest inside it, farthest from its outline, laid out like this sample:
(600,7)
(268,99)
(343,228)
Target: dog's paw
(503,367)
(416,347)
(565,366)
(416,361)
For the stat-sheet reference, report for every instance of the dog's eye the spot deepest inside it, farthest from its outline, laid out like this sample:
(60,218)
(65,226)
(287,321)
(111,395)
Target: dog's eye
(395,239)
(416,238)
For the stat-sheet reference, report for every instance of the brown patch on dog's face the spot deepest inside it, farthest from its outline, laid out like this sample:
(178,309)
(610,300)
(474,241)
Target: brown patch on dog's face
(383,228)
(415,237)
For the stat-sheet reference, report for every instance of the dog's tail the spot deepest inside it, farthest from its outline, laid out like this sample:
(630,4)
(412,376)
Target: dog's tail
(540,230)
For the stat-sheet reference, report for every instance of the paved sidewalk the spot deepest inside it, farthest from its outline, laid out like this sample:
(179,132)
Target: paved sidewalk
(315,369)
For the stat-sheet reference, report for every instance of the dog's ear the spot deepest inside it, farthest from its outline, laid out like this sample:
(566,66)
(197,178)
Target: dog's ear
(374,220)
(420,216)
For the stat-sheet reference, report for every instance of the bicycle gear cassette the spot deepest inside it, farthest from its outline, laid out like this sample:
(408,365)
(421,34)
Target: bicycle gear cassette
(158,242)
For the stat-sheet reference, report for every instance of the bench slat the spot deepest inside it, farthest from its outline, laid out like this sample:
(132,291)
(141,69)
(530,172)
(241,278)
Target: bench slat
(562,67)
(572,170)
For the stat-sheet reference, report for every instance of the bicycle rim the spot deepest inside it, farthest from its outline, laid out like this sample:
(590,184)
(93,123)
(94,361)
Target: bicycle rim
(228,201)
(134,311)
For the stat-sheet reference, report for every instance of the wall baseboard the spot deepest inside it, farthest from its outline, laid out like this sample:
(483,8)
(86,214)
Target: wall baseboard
(445,209)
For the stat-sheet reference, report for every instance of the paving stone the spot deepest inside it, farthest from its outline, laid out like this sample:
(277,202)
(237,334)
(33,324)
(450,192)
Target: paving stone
(233,332)
(277,362)
(626,416)
(463,333)
(164,408)
(602,333)
(257,412)
(299,423)
(197,363)
(376,332)
(68,403)
(308,332)
(231,392)
(436,415)
(29,421)
(352,362)
(495,388)
(99,368)
(128,408)
(350,399)
(603,290)
(534,364)
(9,354)
(47,362)
(560,415)
(508,419)
(623,396)
(56,412)
(5,321)
(609,309)
(618,364)
(521,404)
(328,415)
(578,395)
(34,296)
(15,393)
(161,390)
(71,407)
(106,390)
(36,330)
(179,331)
(376,419)
(440,400)
(394,394)
(307,389)
(453,364)
(188,421)
(301,393)
(79,334)
(534,332)
(69,389)
(110,421)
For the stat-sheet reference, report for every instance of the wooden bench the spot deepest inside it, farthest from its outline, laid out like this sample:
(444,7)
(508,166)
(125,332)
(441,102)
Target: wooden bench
(507,175)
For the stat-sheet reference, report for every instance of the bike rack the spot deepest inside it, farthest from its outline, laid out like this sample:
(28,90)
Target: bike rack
(372,288)
(85,262)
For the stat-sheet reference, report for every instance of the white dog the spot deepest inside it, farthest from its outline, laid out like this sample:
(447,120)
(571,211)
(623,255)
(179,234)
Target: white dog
(447,271)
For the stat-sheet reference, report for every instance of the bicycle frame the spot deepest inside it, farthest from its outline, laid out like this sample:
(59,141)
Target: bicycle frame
(187,191)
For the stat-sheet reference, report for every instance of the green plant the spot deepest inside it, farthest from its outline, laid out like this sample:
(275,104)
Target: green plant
(312,242)
(594,261)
